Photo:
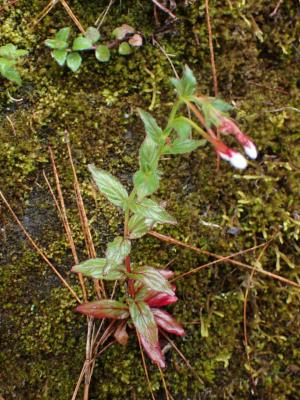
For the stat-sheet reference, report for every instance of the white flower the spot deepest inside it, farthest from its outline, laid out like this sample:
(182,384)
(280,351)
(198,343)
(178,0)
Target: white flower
(250,150)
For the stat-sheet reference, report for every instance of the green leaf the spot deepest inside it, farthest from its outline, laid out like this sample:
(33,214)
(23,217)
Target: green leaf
(186,86)
(124,49)
(74,61)
(110,187)
(11,74)
(148,155)
(137,226)
(152,279)
(143,320)
(116,253)
(221,105)
(104,309)
(82,43)
(92,34)
(146,183)
(94,268)
(102,53)
(60,56)
(8,50)
(151,127)
(63,34)
(153,211)
(56,44)
(20,53)
(6,63)
(182,127)
(181,146)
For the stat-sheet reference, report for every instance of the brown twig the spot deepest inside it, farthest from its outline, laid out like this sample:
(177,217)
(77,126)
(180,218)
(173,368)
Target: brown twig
(188,364)
(164,383)
(38,249)
(73,16)
(222,259)
(273,13)
(145,367)
(65,221)
(211,48)
(84,222)
(165,9)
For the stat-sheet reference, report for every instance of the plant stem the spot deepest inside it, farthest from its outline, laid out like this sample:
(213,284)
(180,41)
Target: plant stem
(127,258)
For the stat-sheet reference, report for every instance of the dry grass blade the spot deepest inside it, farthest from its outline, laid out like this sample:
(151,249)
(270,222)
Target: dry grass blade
(65,221)
(38,249)
(211,48)
(84,223)
(188,364)
(220,259)
(72,16)
(82,373)
(164,383)
(45,11)
(103,15)
(165,9)
(145,367)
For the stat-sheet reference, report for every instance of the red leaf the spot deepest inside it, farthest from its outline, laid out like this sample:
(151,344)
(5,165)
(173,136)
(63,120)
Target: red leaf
(158,299)
(104,309)
(167,322)
(154,352)
(121,334)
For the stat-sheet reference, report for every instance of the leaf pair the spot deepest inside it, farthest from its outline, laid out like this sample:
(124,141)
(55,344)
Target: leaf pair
(147,212)
(9,55)
(63,54)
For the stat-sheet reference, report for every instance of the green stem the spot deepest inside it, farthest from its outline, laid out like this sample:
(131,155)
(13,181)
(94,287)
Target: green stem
(174,111)
(130,282)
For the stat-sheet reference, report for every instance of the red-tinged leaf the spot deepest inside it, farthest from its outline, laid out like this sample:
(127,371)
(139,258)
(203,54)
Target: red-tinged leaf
(152,279)
(143,320)
(104,309)
(160,299)
(165,321)
(154,352)
(166,273)
(121,334)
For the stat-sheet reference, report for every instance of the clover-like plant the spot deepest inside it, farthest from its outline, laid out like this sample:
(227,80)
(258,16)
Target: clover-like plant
(125,38)
(146,288)
(9,57)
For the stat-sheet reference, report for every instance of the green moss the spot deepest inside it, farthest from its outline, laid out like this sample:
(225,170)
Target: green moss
(43,340)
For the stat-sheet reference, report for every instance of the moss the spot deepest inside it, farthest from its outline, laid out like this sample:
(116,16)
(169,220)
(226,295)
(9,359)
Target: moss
(223,212)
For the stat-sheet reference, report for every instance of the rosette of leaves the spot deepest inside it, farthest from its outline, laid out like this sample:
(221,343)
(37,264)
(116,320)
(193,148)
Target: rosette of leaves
(9,56)
(70,54)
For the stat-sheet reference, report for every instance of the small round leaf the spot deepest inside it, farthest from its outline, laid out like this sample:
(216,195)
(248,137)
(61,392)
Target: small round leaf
(82,43)
(102,53)
(92,34)
(74,61)
(124,49)
(60,56)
